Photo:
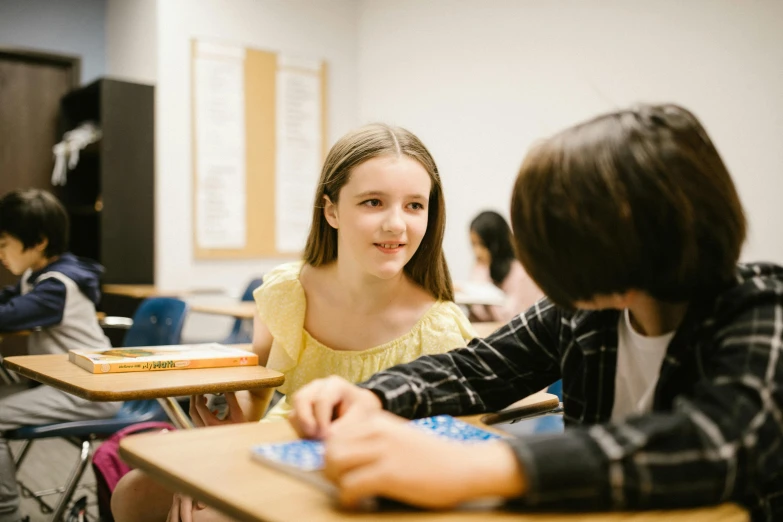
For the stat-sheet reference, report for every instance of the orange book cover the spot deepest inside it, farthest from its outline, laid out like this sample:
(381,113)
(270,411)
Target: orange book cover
(156,358)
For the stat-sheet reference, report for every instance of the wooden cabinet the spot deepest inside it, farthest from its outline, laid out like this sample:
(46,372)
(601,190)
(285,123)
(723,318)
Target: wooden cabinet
(110,193)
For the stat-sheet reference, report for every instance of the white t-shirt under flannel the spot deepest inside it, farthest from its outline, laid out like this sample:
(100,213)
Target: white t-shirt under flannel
(639,361)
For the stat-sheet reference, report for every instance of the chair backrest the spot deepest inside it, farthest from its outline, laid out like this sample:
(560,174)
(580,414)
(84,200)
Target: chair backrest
(158,321)
(240,333)
(251,286)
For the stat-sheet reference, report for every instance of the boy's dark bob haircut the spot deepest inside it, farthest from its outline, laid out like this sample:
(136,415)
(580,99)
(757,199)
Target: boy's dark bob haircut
(636,199)
(33,215)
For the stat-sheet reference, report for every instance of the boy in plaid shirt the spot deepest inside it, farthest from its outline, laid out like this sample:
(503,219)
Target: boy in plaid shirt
(669,351)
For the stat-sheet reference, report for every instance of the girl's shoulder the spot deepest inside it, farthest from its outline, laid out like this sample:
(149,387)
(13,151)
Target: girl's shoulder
(281,287)
(284,275)
(281,302)
(446,318)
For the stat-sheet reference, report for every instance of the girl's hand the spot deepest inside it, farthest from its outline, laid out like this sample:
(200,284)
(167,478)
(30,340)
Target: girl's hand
(383,456)
(324,400)
(182,508)
(201,416)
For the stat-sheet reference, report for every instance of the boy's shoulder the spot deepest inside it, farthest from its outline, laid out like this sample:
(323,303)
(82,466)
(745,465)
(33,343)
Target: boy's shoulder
(759,275)
(78,269)
(84,273)
(756,285)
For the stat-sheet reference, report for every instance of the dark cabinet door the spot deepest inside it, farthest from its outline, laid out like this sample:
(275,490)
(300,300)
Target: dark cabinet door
(31,85)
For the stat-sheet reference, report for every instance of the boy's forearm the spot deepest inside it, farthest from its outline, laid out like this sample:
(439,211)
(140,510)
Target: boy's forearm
(496,472)
(659,461)
(567,471)
(8,293)
(43,306)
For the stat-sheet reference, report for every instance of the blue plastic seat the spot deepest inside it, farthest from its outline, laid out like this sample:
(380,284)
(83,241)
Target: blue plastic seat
(556,388)
(242,331)
(158,321)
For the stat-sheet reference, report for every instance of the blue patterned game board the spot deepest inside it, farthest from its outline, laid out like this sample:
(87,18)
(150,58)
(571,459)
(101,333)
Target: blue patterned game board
(308,455)
(451,428)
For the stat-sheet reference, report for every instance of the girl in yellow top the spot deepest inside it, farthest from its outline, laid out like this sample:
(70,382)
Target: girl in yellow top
(386,299)
(303,357)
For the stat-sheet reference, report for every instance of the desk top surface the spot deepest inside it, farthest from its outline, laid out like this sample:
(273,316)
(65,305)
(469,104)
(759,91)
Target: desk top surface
(144,291)
(138,291)
(231,481)
(58,372)
(19,333)
(240,309)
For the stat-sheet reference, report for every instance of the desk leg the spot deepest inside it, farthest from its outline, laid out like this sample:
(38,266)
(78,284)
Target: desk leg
(175,413)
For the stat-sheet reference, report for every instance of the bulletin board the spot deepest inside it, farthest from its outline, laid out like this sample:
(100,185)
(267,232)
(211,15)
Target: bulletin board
(262,197)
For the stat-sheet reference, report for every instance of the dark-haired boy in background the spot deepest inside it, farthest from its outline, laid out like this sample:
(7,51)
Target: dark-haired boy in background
(55,298)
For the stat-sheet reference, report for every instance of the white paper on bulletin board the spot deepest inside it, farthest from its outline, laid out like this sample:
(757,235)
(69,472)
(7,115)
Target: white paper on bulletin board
(219,119)
(299,149)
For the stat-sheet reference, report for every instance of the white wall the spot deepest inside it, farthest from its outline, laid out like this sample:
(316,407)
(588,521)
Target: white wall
(326,30)
(74,27)
(132,40)
(479,81)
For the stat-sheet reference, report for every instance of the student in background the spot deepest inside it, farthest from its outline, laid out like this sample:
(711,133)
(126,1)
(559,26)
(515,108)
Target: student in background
(496,264)
(55,298)
(373,290)
(670,352)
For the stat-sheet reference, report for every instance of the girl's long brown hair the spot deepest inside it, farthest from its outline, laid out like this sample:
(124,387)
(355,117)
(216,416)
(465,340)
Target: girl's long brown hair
(427,267)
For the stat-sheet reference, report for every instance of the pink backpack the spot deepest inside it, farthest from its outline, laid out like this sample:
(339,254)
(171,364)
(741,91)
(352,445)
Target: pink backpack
(109,468)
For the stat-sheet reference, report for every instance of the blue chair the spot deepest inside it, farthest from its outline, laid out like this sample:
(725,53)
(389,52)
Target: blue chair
(556,388)
(242,331)
(158,321)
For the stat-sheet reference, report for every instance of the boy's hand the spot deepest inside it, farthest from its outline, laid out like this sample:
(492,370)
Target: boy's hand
(201,416)
(323,400)
(383,456)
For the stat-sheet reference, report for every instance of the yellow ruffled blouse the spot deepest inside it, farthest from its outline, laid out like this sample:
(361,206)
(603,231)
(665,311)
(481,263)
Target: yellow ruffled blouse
(281,307)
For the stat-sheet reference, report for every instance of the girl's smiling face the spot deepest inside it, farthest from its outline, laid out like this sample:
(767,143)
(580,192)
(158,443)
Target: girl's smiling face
(381,216)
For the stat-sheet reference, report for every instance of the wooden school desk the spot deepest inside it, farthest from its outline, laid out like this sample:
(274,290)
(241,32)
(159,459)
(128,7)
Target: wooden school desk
(239,310)
(58,372)
(145,291)
(214,465)
(6,376)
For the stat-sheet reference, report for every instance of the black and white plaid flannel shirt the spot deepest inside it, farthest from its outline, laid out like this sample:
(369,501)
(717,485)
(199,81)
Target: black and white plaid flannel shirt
(716,430)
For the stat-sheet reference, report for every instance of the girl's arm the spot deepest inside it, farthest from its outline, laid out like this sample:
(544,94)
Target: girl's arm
(255,402)
(244,406)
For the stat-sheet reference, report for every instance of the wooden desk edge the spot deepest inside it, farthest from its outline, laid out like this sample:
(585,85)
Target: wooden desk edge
(109,396)
(177,391)
(725,512)
(173,483)
(11,364)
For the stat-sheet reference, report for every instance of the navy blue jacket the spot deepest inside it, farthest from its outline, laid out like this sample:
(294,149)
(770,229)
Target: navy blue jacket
(44,304)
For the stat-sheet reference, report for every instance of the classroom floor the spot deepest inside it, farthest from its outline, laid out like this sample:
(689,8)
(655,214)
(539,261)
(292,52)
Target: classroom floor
(47,466)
